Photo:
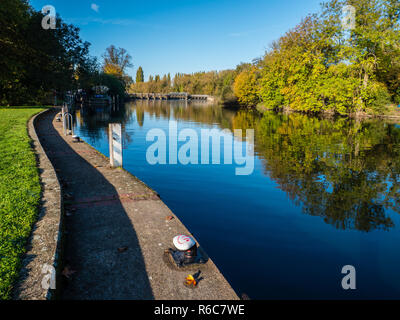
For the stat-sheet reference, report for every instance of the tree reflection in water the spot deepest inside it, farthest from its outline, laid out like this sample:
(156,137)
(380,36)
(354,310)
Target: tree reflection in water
(345,171)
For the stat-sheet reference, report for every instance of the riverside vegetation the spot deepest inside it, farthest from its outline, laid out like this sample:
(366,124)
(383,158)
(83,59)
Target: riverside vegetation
(35,63)
(319,66)
(316,67)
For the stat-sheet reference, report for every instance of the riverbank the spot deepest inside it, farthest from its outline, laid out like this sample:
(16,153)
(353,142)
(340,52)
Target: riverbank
(116,230)
(19,192)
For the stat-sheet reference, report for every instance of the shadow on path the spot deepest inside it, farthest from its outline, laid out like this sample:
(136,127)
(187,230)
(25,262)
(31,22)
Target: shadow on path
(102,250)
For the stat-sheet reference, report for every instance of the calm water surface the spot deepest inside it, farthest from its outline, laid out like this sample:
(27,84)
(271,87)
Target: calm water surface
(323,194)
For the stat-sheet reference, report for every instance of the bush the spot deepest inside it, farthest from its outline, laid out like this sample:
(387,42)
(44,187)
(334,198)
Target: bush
(376,97)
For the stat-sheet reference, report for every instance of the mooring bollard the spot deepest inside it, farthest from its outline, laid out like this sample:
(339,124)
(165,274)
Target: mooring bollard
(186,245)
(185,253)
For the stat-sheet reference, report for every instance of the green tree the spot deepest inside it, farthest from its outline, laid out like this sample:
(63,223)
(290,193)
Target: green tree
(114,83)
(139,75)
(34,61)
(319,66)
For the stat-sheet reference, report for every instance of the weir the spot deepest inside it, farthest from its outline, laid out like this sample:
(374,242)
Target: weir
(170,96)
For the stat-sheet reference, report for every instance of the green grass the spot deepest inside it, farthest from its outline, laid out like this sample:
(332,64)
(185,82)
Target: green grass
(19,192)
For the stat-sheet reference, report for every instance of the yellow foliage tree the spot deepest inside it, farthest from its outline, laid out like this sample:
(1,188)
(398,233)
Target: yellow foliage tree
(245,87)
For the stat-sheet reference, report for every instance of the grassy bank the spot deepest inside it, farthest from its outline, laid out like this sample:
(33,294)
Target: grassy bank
(19,191)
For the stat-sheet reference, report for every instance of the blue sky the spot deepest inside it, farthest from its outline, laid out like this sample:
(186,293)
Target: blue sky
(183,36)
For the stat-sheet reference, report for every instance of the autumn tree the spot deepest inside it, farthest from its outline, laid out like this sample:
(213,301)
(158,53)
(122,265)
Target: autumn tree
(320,66)
(246,87)
(116,61)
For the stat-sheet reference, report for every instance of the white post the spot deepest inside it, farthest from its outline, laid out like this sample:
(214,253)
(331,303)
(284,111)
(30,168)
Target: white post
(115,144)
(63,119)
(110,143)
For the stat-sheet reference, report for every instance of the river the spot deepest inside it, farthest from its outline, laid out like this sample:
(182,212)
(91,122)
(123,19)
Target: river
(324,193)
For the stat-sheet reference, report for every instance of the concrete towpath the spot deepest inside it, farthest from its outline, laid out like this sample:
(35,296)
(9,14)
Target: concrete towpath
(116,230)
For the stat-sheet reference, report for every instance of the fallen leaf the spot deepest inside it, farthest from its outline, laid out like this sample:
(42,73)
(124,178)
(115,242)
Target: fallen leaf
(122,249)
(190,281)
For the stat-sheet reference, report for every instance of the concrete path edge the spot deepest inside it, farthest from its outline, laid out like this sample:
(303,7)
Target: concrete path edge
(42,260)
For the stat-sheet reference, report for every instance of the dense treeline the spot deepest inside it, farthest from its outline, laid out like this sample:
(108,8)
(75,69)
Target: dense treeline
(317,66)
(35,62)
(320,66)
(214,83)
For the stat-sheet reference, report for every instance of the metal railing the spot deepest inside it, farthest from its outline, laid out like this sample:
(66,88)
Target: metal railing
(67,120)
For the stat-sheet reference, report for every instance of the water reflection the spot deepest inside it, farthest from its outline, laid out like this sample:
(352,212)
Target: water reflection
(345,171)
(181,110)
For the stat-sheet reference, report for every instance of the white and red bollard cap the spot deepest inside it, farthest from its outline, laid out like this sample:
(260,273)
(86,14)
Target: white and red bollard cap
(183,242)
